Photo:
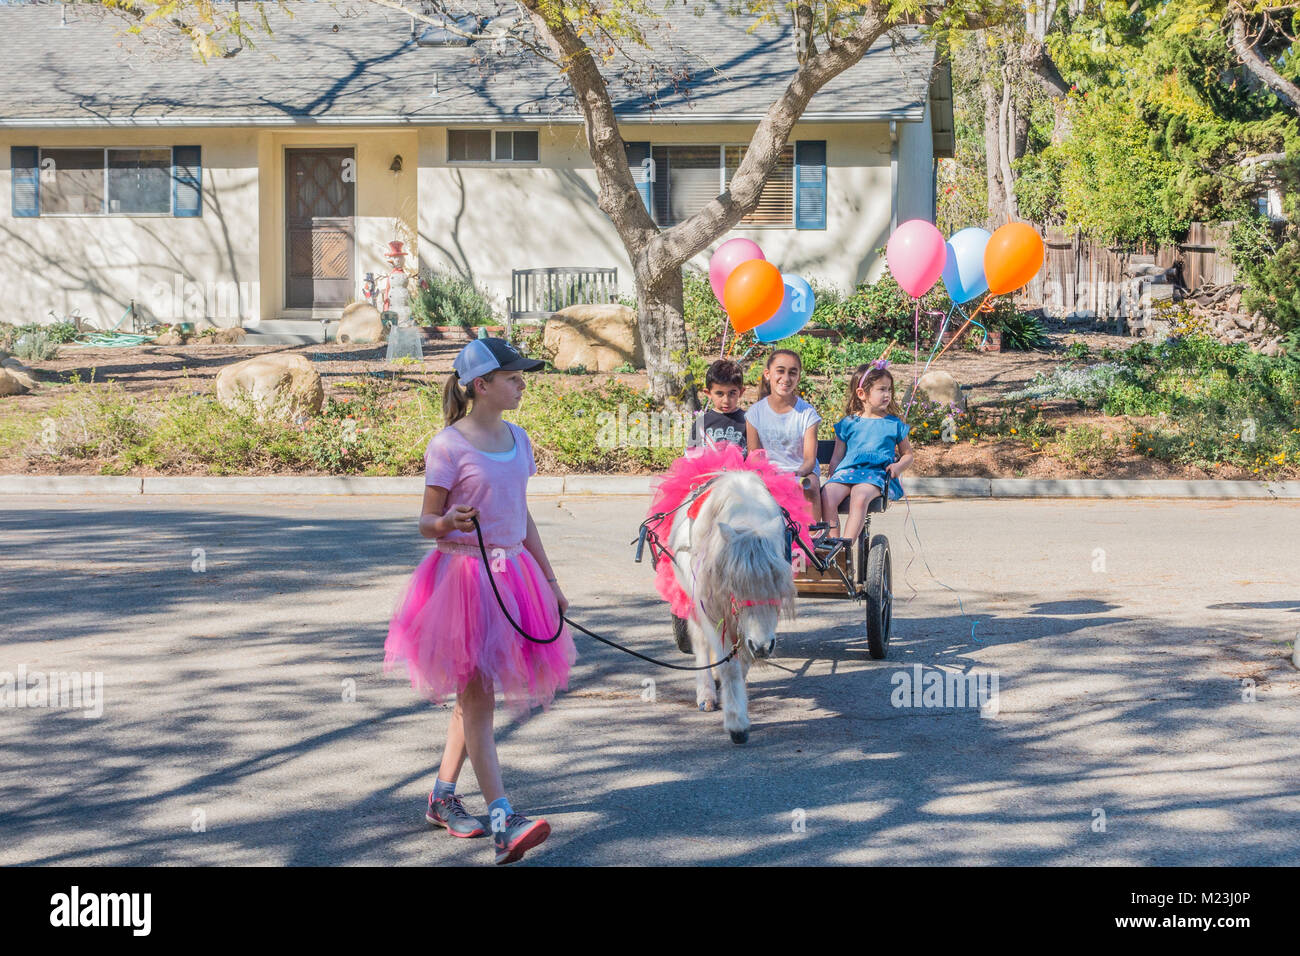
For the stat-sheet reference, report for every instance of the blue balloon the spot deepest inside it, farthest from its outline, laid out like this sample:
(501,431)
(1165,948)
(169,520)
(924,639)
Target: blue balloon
(963,273)
(796,309)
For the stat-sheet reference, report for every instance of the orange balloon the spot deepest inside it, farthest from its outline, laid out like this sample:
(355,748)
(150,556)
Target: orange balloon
(1013,257)
(752,294)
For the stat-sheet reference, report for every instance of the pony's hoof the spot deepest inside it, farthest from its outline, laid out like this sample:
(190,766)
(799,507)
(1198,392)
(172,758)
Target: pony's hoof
(708,706)
(739,736)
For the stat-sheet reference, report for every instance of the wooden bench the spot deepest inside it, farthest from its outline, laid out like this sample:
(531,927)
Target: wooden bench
(538,293)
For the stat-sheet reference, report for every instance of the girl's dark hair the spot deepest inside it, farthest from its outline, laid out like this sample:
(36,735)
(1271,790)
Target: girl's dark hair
(864,377)
(724,372)
(456,400)
(764,389)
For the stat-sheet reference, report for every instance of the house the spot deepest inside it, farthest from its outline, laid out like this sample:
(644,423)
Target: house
(262,186)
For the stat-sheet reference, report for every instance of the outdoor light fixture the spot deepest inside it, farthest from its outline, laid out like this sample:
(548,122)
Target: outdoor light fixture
(396,164)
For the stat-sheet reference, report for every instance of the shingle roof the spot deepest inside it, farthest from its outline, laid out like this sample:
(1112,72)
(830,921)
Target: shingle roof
(357,63)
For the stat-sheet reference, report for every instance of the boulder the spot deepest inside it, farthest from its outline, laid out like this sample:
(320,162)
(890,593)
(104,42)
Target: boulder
(19,373)
(940,387)
(600,338)
(231,336)
(10,385)
(360,324)
(285,382)
(169,338)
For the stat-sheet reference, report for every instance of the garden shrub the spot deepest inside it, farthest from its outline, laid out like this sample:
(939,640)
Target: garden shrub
(445,299)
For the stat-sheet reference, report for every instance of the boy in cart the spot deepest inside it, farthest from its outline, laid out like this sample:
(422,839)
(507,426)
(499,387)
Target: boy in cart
(724,419)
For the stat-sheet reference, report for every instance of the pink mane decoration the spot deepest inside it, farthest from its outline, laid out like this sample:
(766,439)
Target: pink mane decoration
(695,468)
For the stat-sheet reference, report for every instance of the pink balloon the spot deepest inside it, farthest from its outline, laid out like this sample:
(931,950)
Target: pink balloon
(916,254)
(729,255)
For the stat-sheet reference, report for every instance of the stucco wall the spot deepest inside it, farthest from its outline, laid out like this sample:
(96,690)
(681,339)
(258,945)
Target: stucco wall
(97,264)
(916,170)
(483,220)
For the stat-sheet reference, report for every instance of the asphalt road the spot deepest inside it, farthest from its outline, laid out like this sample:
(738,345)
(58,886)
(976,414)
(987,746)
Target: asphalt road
(1128,639)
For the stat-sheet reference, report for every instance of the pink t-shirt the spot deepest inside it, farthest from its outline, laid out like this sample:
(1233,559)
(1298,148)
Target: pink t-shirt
(496,488)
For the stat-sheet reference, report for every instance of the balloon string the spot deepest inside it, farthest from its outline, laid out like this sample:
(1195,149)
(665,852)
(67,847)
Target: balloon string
(983,307)
(916,349)
(938,341)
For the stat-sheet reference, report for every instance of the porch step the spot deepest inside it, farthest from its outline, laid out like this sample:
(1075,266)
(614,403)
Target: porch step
(288,332)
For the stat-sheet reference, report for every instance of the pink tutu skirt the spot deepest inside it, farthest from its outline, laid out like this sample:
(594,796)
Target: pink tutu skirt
(448,625)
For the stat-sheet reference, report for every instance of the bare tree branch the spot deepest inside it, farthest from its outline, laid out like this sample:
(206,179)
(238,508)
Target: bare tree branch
(1259,67)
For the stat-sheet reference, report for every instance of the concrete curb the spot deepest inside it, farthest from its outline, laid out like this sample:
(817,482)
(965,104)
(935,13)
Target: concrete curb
(636,485)
(69,485)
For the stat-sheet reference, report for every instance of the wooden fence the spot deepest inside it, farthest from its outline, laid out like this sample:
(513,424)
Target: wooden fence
(1083,280)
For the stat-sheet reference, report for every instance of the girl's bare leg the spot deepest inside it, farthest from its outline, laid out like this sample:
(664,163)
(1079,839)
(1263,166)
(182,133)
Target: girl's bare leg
(479,703)
(832,495)
(454,753)
(862,495)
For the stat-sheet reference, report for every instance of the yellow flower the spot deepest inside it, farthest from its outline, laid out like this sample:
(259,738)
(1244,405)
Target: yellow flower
(1013,431)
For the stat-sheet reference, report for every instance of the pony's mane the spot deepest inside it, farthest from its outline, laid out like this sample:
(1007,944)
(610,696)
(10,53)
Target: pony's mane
(750,564)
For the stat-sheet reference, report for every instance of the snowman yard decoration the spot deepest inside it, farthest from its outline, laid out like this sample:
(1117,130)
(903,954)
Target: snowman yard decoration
(404,339)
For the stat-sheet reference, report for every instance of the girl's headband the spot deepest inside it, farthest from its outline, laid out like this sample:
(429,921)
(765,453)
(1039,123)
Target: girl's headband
(879,365)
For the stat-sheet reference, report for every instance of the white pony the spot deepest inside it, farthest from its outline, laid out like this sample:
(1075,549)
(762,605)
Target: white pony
(731,560)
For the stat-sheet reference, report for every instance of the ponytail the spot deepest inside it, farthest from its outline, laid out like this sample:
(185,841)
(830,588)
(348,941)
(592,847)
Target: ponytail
(456,400)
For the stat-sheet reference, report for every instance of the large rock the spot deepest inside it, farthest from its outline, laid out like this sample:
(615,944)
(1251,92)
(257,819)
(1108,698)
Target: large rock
(19,373)
(940,387)
(361,324)
(600,338)
(283,382)
(230,336)
(10,385)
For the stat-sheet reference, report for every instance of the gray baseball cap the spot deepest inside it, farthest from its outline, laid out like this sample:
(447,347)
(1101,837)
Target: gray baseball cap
(482,356)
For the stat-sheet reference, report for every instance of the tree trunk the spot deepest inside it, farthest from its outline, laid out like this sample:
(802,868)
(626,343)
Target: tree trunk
(1262,69)
(663,336)
(987,67)
(658,255)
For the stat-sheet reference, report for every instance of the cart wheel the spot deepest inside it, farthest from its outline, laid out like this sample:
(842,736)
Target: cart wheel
(679,634)
(880,597)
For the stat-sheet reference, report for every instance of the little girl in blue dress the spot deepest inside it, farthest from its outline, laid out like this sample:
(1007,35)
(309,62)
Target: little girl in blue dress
(871,449)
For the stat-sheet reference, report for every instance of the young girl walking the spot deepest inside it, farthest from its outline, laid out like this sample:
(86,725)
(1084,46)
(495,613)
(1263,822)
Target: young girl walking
(448,628)
(785,426)
(868,439)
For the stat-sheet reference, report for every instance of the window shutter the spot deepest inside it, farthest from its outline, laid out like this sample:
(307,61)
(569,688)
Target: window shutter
(637,154)
(24,163)
(187,181)
(810,184)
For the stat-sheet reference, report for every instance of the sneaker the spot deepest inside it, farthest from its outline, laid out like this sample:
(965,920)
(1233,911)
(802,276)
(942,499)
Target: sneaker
(519,836)
(451,814)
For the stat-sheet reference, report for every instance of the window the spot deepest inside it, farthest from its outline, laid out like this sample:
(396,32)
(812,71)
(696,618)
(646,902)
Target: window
(140,180)
(482,146)
(105,181)
(72,181)
(686,178)
(776,203)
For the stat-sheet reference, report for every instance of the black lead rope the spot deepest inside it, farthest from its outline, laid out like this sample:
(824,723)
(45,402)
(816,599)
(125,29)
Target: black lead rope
(559,627)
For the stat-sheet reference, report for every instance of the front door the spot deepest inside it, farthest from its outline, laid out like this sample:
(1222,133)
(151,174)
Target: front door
(319,196)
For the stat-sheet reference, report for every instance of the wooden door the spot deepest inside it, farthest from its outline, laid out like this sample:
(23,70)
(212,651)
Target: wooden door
(320,232)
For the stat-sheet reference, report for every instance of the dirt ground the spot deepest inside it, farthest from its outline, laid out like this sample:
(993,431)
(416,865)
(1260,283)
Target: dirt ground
(191,368)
